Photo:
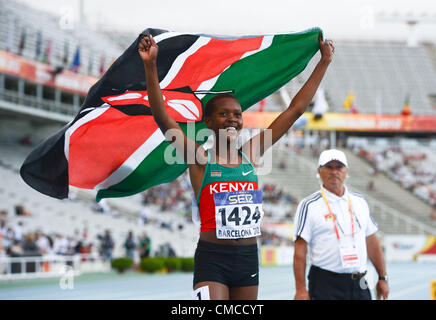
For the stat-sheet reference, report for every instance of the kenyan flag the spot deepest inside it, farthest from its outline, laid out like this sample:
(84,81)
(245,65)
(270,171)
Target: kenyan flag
(113,144)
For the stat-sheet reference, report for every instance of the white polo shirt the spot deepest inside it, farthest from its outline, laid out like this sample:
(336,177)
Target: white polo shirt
(312,223)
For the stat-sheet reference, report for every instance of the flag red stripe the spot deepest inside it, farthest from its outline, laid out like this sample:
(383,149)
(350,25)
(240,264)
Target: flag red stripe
(212,59)
(89,163)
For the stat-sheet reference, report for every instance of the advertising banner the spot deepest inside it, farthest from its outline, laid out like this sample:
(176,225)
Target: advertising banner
(350,122)
(410,248)
(44,74)
(276,256)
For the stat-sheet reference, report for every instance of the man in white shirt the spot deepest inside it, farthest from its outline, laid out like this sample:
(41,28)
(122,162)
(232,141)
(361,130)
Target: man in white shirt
(42,243)
(18,231)
(335,226)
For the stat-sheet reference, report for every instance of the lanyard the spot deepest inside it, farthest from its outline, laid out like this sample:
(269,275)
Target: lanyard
(350,209)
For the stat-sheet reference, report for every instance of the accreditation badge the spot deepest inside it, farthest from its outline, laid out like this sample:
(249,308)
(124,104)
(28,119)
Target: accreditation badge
(238,214)
(348,252)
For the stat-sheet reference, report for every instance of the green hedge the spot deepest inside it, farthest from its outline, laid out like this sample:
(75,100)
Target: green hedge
(122,264)
(187,264)
(173,264)
(156,264)
(152,264)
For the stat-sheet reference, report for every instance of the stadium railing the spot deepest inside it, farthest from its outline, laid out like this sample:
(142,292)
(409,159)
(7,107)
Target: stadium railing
(49,266)
(43,104)
(398,217)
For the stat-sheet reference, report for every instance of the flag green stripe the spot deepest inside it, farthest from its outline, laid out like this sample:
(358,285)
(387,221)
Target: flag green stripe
(145,175)
(258,76)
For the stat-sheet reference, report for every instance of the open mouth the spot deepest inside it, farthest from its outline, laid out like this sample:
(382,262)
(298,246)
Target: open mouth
(231,130)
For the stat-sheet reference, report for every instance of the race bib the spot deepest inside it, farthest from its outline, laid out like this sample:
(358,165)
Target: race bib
(238,214)
(349,255)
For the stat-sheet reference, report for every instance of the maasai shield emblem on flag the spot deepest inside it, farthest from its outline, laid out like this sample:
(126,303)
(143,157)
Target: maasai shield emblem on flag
(113,144)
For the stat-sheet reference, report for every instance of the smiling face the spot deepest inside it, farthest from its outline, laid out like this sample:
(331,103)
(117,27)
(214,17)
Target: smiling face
(333,175)
(226,117)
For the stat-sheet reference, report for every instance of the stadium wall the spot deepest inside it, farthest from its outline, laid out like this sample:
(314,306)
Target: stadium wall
(350,122)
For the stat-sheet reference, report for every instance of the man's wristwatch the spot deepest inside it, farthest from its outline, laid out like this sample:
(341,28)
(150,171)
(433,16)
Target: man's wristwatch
(384,278)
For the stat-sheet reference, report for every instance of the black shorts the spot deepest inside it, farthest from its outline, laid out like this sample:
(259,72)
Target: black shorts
(234,266)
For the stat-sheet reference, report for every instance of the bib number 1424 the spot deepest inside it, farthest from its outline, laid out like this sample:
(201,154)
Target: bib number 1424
(236,218)
(238,214)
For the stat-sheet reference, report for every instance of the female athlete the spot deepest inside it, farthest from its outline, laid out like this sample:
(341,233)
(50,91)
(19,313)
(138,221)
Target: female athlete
(225,182)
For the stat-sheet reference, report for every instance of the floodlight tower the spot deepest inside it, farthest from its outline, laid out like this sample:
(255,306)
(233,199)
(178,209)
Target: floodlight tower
(81,12)
(411,19)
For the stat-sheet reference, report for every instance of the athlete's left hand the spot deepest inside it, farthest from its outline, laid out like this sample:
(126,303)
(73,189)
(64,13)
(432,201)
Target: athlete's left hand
(327,49)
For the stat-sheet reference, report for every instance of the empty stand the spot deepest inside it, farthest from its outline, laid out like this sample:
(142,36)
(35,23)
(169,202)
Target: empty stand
(380,75)
(16,18)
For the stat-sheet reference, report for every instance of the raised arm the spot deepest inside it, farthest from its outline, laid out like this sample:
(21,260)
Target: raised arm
(298,104)
(148,50)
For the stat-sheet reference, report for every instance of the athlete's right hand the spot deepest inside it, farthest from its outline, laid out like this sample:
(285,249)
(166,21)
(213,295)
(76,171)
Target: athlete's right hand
(148,49)
(302,294)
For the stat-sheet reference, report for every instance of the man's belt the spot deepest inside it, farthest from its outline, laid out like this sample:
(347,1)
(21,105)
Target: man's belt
(357,275)
(354,275)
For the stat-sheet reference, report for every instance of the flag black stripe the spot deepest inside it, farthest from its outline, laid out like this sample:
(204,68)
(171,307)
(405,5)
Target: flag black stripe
(127,72)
